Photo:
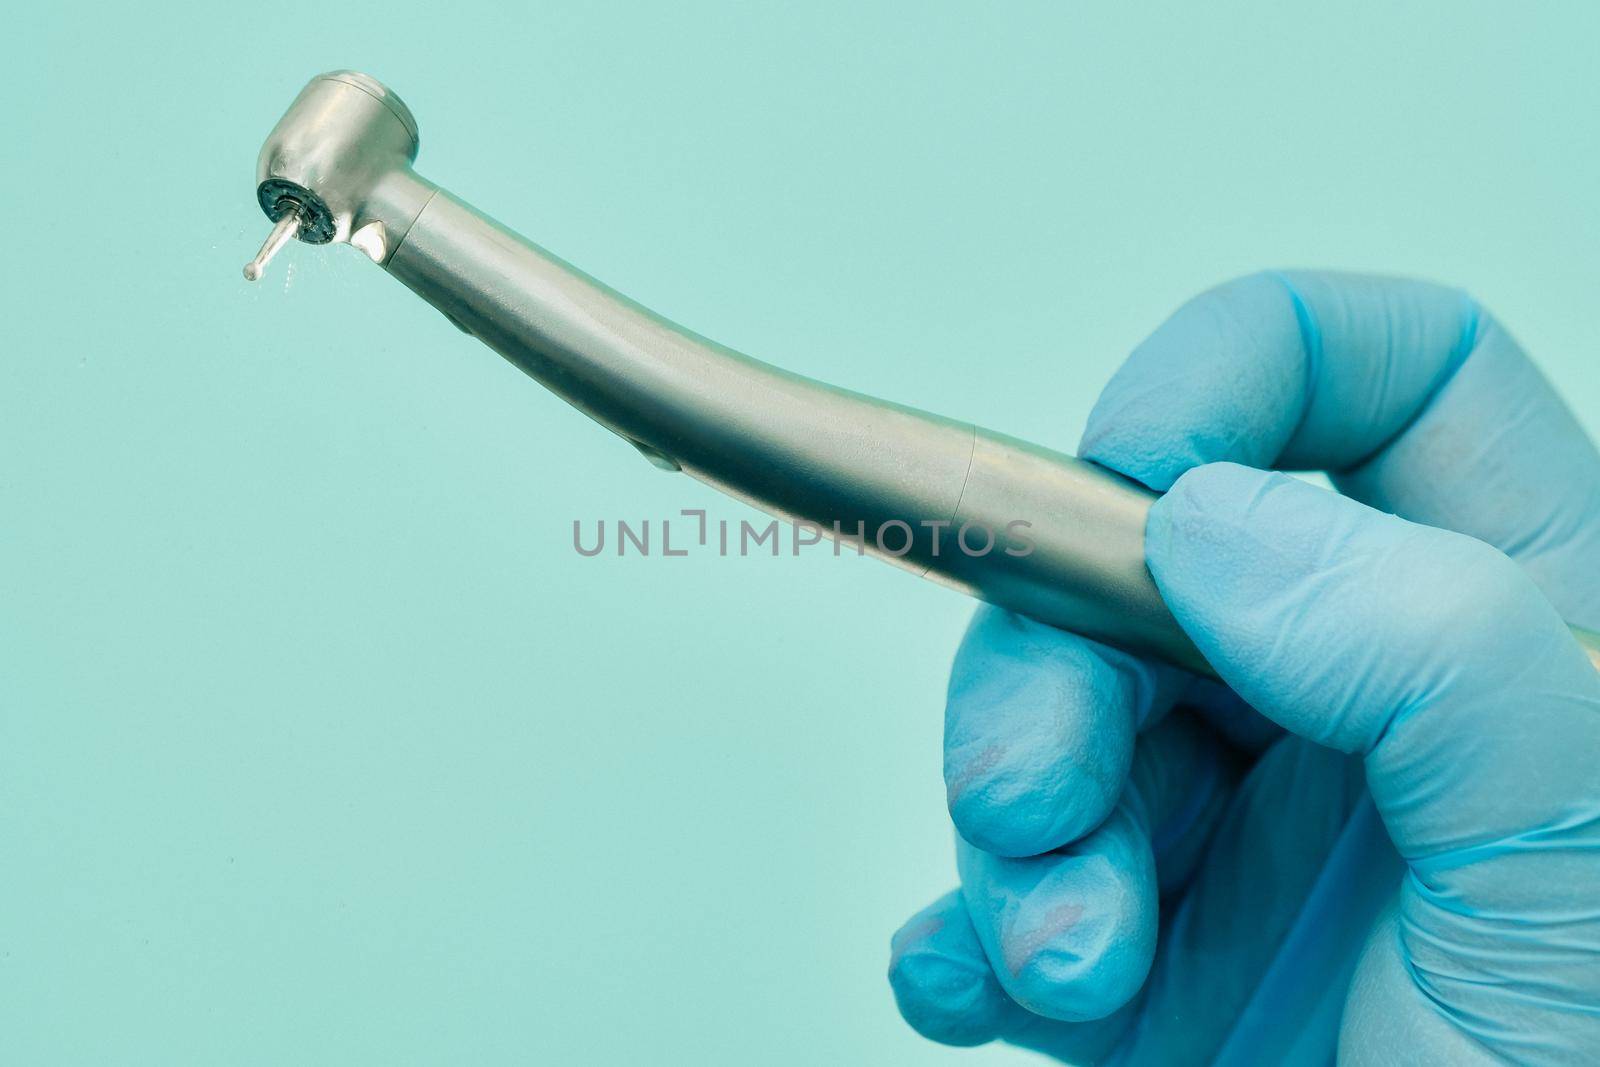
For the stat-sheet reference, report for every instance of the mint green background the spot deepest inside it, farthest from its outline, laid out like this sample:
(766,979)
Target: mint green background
(319,744)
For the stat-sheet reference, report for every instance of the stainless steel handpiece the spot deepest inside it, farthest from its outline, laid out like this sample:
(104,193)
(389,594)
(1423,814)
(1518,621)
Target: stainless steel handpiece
(1052,537)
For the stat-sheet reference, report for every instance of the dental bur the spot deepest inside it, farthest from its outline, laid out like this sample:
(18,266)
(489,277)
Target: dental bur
(287,227)
(337,168)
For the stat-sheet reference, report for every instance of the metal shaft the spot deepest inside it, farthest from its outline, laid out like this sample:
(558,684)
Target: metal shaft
(803,450)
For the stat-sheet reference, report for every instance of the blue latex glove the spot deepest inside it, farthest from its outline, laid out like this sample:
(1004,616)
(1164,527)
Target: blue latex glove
(1153,873)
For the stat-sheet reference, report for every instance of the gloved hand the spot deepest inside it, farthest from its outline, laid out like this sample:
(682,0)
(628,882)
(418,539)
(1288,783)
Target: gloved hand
(1399,856)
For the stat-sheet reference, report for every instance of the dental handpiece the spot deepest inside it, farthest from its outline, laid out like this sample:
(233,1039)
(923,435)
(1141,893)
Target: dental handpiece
(338,168)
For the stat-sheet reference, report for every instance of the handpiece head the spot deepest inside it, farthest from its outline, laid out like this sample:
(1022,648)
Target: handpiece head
(339,156)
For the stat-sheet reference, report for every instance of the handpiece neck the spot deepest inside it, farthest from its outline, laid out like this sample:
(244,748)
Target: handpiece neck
(793,446)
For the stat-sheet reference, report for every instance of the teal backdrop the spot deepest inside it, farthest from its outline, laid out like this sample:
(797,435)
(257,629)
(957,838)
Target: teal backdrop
(319,744)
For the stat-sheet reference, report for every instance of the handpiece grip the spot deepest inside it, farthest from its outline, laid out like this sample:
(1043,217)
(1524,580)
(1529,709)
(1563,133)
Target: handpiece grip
(1055,538)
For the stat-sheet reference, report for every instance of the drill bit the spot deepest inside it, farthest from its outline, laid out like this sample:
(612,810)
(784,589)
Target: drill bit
(287,226)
